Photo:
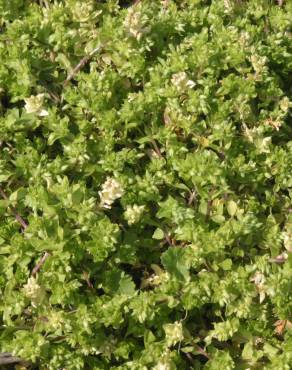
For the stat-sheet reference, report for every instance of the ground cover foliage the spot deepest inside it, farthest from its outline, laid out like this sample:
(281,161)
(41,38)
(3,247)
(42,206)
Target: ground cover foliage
(146,218)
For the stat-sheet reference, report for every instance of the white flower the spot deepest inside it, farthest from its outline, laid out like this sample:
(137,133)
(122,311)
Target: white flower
(34,104)
(56,320)
(156,280)
(228,6)
(274,123)
(111,190)
(181,82)
(285,104)
(259,280)
(33,291)
(162,366)
(173,333)
(244,38)
(263,144)
(135,22)
(83,11)
(164,363)
(133,213)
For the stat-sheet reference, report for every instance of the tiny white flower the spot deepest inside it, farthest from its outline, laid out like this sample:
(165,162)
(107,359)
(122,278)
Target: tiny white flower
(133,213)
(111,190)
(259,280)
(135,23)
(164,362)
(285,104)
(162,366)
(181,82)
(263,144)
(82,11)
(55,319)
(244,37)
(227,5)
(34,104)
(274,123)
(156,280)
(33,291)
(173,333)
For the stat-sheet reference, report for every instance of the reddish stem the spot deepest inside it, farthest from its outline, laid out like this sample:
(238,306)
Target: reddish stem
(40,263)
(16,215)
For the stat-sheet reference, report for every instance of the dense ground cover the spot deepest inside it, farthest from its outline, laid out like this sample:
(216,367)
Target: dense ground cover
(146,172)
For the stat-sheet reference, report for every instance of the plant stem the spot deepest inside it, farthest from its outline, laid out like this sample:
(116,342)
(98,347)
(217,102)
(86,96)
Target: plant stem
(40,263)
(16,215)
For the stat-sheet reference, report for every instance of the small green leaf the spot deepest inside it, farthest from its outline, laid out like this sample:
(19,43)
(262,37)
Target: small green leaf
(219,219)
(203,208)
(174,261)
(158,234)
(226,264)
(231,208)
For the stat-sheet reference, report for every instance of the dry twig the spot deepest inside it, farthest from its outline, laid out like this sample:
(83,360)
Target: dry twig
(156,149)
(281,258)
(40,263)
(45,4)
(16,215)
(202,351)
(192,197)
(7,358)
(80,65)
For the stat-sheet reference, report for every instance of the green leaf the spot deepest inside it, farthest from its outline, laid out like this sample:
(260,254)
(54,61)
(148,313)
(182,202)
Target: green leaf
(187,106)
(175,263)
(158,234)
(231,208)
(219,219)
(226,264)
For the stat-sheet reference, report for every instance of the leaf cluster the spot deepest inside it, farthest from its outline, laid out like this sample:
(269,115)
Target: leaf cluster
(145,175)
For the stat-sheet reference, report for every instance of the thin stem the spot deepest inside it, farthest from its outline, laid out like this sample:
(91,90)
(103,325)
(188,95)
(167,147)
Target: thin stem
(80,65)
(16,215)
(279,259)
(192,197)
(167,238)
(7,358)
(202,351)
(40,263)
(45,3)
(157,150)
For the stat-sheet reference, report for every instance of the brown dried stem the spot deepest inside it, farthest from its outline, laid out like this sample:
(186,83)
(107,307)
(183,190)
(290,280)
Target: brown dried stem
(7,358)
(16,215)
(40,263)
(192,197)
(156,148)
(80,65)
(202,351)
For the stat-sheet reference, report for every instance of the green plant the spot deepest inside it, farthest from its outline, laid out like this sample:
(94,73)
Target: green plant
(145,170)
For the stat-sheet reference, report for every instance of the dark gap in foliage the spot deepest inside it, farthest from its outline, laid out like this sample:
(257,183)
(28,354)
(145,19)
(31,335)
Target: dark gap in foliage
(55,150)
(126,3)
(32,135)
